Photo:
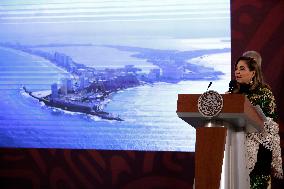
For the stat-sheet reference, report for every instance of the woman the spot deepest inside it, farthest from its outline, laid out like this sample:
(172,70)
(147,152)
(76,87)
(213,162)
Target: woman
(263,149)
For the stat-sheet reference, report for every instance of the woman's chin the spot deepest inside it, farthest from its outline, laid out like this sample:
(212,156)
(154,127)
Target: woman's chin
(239,81)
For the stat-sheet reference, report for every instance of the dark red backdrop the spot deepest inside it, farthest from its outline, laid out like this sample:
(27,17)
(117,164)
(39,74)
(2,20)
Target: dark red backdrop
(259,25)
(256,25)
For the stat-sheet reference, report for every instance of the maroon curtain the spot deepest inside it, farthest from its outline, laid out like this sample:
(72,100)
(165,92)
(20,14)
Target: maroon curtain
(259,25)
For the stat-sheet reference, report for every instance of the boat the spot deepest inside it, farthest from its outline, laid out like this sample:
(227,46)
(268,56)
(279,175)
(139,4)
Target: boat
(74,106)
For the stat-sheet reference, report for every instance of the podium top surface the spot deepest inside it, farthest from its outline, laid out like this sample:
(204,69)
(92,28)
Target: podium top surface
(237,111)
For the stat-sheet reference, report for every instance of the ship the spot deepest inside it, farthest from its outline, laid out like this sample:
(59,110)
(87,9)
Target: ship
(74,106)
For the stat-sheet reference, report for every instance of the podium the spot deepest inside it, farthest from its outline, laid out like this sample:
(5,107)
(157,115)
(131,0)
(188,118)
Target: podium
(221,140)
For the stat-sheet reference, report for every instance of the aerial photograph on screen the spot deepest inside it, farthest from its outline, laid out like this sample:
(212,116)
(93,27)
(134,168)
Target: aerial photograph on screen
(106,74)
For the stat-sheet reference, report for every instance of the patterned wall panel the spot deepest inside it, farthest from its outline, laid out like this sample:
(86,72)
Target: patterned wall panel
(259,25)
(59,168)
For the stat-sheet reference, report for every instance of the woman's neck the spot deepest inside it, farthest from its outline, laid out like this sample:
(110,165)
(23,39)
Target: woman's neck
(245,88)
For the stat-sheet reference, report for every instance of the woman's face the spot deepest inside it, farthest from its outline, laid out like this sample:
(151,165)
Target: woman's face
(242,73)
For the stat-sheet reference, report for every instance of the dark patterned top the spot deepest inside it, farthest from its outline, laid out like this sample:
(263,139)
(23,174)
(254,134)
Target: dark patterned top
(260,95)
(263,97)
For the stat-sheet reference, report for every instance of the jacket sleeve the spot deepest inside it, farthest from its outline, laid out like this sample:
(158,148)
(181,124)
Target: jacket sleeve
(268,104)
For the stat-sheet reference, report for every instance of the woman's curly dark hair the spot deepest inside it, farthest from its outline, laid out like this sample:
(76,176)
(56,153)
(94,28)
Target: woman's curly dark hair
(257,79)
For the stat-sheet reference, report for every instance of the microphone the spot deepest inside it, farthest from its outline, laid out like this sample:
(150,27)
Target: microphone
(232,85)
(209,85)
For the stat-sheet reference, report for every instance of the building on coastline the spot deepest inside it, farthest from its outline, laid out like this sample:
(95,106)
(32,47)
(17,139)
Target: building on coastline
(54,90)
(131,69)
(154,74)
(82,84)
(64,61)
(63,88)
(172,72)
(69,85)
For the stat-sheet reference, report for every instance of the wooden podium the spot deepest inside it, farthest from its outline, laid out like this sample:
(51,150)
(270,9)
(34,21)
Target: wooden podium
(222,137)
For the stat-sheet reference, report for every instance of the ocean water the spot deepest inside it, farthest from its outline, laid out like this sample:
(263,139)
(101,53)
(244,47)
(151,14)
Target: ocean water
(149,111)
